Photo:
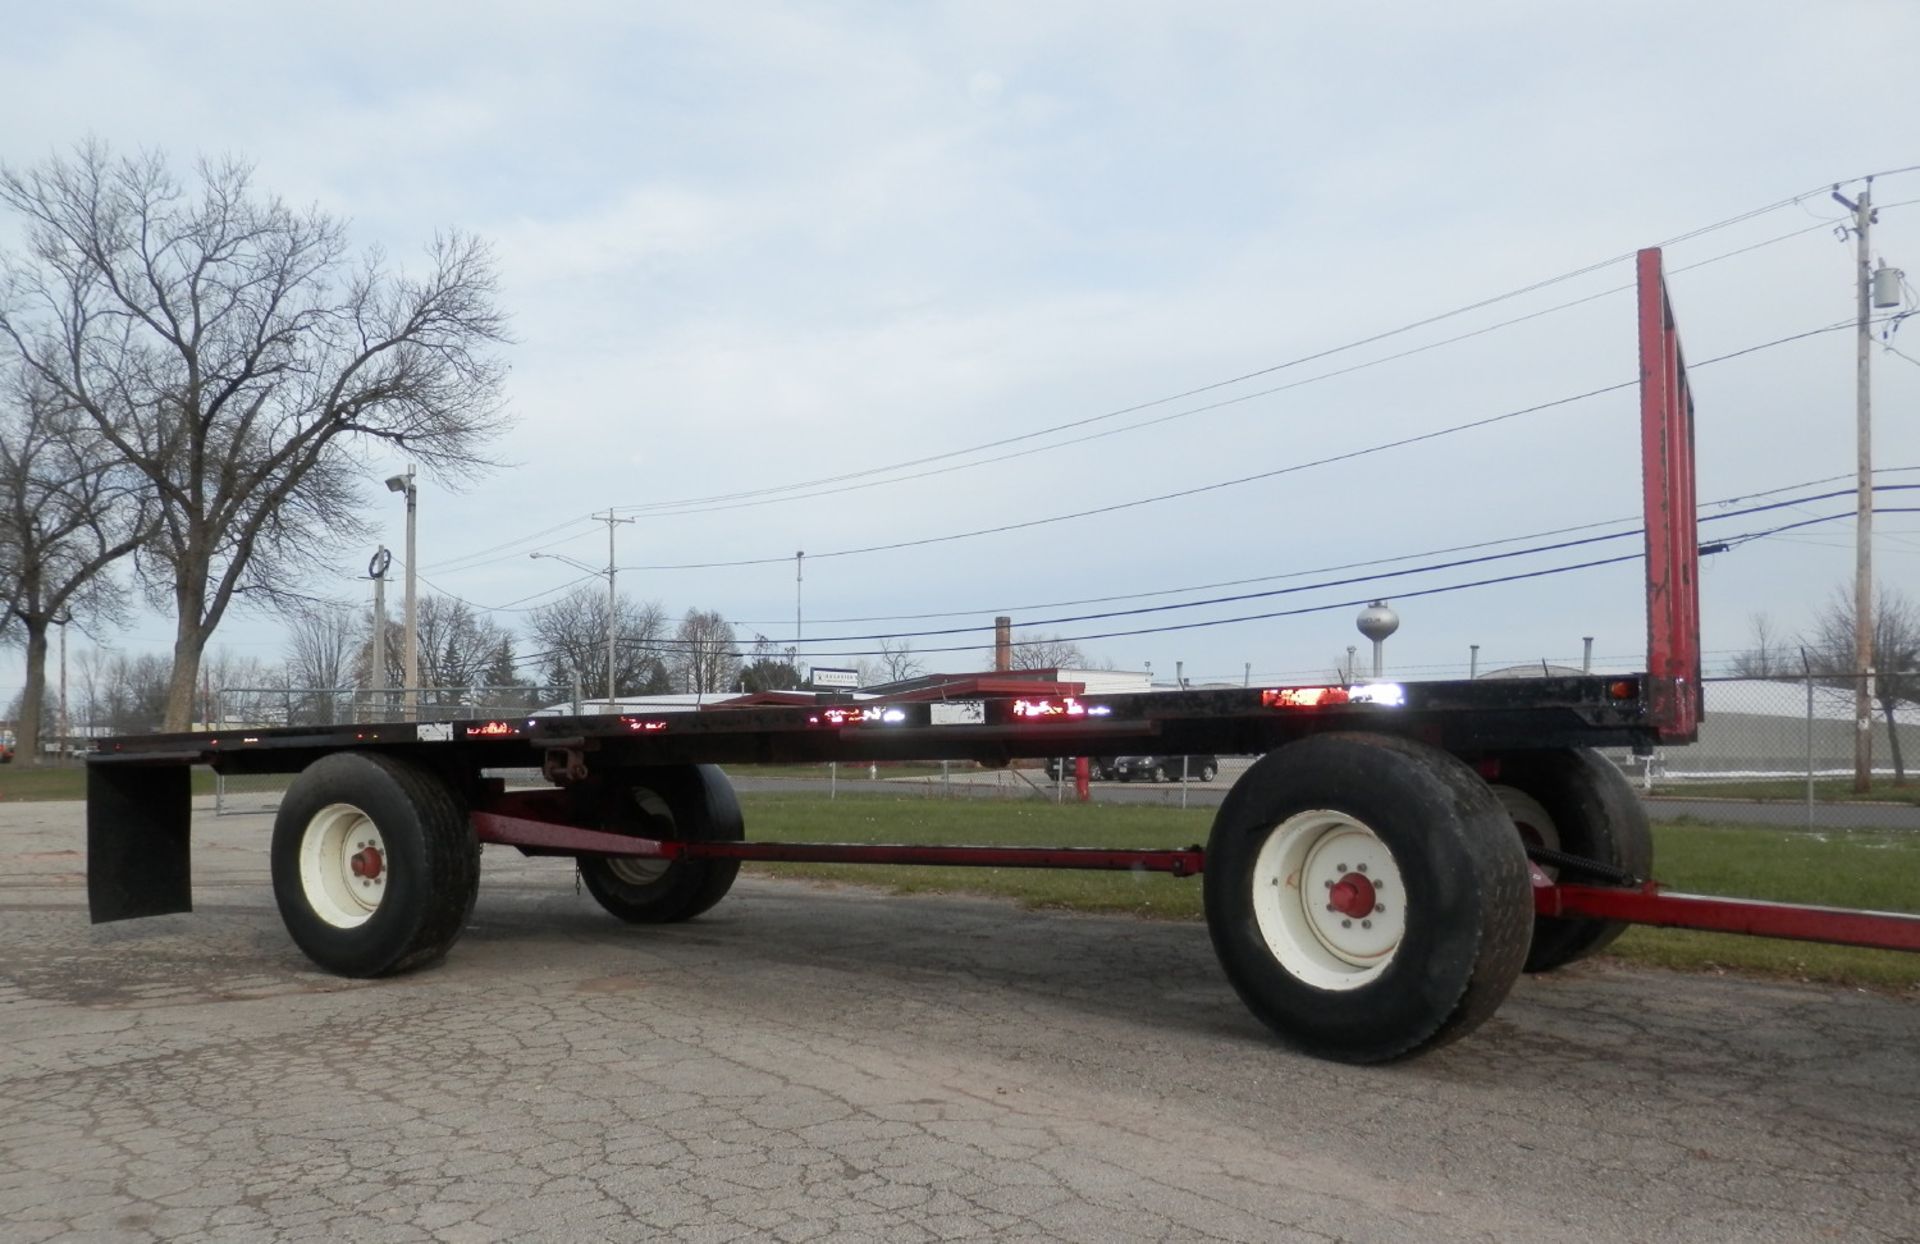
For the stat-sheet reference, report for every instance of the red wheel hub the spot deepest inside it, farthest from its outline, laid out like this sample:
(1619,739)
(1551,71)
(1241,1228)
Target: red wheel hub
(1352,896)
(366,862)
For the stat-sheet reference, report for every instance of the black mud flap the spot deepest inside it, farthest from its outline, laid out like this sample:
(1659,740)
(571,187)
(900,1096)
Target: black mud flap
(138,862)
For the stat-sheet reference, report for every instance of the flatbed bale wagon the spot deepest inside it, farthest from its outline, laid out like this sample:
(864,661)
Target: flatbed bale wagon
(1374,884)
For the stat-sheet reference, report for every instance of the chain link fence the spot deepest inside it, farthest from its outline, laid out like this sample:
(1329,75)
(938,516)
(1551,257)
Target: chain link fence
(1781,751)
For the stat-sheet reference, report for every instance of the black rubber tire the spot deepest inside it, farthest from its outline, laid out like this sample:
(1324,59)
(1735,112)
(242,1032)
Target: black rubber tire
(432,864)
(693,802)
(1209,771)
(1595,814)
(1469,905)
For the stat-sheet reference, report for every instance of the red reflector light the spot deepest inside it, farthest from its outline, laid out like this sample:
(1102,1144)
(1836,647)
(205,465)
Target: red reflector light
(1623,690)
(1302,697)
(1065,707)
(493,730)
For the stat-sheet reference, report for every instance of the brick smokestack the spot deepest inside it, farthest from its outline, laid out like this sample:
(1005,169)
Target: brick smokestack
(1003,644)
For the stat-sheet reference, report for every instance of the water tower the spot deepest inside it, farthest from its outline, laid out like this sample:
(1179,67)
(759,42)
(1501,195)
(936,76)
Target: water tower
(1377,622)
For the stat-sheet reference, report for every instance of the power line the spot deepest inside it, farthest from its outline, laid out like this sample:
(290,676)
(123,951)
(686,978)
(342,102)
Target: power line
(719,501)
(1727,544)
(1297,361)
(516,544)
(1368,578)
(1334,569)
(509,607)
(672,509)
(1293,468)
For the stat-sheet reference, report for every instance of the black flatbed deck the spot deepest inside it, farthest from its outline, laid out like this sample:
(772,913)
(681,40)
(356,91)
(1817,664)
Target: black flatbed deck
(1463,717)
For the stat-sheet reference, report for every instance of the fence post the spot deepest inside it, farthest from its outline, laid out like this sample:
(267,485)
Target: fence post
(1806,668)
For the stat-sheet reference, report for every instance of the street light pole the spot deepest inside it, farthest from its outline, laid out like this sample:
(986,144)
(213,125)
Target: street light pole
(410,697)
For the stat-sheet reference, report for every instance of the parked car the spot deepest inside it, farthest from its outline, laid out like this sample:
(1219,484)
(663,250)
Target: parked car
(1165,768)
(1099,768)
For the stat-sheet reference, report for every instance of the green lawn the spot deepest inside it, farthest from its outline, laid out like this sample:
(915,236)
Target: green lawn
(1794,790)
(20,784)
(1874,869)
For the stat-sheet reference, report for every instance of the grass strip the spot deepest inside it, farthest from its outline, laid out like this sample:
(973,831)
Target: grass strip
(1875,869)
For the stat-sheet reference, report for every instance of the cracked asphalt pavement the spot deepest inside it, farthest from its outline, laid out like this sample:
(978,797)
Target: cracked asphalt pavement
(809,1063)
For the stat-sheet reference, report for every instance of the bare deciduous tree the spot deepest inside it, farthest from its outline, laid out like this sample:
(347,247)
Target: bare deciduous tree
(66,515)
(459,649)
(231,350)
(114,693)
(702,653)
(322,643)
(897,662)
(1769,657)
(1896,655)
(1044,652)
(768,668)
(237,689)
(570,636)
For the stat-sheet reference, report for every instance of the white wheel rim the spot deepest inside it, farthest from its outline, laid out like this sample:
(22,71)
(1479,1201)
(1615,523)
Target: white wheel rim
(343,865)
(1311,879)
(637,871)
(1533,821)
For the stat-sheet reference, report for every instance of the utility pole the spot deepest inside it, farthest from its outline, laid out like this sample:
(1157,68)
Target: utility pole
(799,562)
(1863,502)
(612,573)
(64,745)
(377,675)
(613,615)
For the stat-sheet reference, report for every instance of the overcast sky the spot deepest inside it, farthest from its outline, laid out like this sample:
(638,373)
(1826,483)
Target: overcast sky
(754,245)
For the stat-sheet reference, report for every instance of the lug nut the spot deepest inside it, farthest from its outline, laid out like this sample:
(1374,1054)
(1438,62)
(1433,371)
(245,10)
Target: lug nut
(1331,907)
(1340,867)
(1379,907)
(1366,924)
(1329,883)
(1363,868)
(1346,924)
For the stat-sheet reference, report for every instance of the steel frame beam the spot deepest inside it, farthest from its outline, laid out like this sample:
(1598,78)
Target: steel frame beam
(549,836)
(1672,527)
(1647,904)
(1879,930)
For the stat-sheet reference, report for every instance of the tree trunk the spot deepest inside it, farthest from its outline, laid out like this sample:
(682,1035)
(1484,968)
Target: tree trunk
(188,641)
(1893,744)
(33,697)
